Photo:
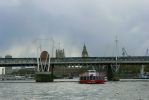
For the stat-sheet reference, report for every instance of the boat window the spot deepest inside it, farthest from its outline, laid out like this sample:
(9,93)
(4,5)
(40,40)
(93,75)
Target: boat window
(91,70)
(91,77)
(87,78)
(99,77)
(94,77)
(84,78)
(81,78)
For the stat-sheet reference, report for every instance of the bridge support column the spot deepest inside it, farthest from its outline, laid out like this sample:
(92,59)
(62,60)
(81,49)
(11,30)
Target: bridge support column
(45,69)
(45,76)
(112,74)
(109,73)
(52,73)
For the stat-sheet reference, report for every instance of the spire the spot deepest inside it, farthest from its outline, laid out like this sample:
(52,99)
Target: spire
(84,52)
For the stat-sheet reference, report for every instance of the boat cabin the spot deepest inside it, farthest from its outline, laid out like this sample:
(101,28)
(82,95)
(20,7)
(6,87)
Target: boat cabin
(92,72)
(91,76)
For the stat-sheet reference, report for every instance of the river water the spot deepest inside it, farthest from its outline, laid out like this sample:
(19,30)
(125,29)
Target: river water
(29,90)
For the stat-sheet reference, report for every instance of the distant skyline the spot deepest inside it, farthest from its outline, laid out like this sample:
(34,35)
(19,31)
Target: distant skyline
(24,23)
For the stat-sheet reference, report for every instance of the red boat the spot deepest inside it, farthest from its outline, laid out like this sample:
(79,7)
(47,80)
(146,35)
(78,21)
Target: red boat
(92,77)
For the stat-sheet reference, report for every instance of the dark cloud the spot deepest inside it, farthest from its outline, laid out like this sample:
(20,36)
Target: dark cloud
(73,23)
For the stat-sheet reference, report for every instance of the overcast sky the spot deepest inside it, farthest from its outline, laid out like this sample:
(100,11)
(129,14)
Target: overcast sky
(24,24)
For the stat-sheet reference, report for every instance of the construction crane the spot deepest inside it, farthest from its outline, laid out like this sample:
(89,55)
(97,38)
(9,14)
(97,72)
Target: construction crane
(124,52)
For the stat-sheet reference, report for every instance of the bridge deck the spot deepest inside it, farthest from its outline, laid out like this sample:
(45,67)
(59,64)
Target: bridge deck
(6,62)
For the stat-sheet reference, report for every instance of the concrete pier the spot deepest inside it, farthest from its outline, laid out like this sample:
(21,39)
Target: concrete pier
(44,77)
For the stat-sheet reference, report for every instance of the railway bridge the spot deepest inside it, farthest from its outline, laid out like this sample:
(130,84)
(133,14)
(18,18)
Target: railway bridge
(6,62)
(77,61)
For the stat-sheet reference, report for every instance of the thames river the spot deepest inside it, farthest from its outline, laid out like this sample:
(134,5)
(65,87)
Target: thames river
(29,90)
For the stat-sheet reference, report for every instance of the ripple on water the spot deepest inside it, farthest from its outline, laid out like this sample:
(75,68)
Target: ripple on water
(74,91)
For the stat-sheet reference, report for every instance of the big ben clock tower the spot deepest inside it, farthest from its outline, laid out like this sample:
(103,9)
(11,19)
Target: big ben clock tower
(84,52)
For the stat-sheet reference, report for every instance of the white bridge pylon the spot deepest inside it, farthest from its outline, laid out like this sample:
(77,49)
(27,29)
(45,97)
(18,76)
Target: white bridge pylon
(43,62)
(115,68)
(43,57)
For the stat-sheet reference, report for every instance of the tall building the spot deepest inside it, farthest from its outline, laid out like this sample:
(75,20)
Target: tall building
(84,52)
(8,70)
(1,69)
(59,71)
(60,53)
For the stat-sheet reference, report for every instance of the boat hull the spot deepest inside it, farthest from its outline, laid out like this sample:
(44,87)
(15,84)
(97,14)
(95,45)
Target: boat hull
(92,81)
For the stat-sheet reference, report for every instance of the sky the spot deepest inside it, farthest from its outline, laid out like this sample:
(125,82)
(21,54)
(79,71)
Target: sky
(30,26)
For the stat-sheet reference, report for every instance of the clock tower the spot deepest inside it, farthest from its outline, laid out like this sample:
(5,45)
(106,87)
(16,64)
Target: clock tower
(84,52)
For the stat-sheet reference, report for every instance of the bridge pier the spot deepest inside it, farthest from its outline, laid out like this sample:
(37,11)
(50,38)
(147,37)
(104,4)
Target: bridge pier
(52,71)
(111,74)
(45,76)
(45,69)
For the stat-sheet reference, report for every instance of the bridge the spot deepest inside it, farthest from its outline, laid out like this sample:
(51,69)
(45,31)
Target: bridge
(43,73)
(76,61)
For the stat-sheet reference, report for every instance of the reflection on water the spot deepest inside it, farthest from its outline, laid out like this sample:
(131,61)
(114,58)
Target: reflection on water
(30,90)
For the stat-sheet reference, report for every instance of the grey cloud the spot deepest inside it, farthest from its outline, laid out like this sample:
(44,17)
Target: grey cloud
(74,23)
